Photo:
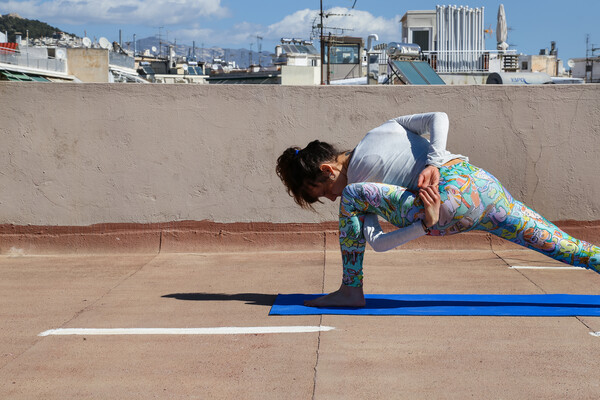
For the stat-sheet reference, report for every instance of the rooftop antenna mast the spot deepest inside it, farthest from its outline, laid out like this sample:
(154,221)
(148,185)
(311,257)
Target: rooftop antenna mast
(321,41)
(259,48)
(321,26)
(589,64)
(160,28)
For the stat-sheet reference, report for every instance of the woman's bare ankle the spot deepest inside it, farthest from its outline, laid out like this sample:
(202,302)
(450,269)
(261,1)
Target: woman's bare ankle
(345,296)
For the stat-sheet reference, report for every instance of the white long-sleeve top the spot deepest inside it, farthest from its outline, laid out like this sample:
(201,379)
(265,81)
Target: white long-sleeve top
(381,241)
(396,152)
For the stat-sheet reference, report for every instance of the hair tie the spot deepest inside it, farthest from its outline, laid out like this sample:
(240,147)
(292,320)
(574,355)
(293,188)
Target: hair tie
(297,151)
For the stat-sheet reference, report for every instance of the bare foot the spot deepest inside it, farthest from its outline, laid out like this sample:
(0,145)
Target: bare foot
(345,296)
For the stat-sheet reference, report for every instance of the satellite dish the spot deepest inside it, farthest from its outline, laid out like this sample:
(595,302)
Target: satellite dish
(86,42)
(571,63)
(104,43)
(154,49)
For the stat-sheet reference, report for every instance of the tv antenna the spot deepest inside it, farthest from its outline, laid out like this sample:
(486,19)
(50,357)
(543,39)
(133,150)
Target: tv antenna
(589,49)
(320,28)
(160,28)
(259,47)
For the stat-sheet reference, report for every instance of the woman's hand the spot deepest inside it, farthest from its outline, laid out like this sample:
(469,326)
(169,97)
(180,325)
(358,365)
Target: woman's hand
(430,176)
(431,199)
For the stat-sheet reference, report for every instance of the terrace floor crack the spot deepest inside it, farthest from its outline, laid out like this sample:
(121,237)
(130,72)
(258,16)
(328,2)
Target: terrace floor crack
(538,286)
(318,351)
(520,272)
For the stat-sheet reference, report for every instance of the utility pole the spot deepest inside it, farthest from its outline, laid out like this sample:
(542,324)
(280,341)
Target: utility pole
(328,58)
(322,45)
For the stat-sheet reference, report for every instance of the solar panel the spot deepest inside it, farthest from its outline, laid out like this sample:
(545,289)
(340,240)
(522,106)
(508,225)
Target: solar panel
(299,48)
(409,73)
(428,73)
(418,73)
(311,49)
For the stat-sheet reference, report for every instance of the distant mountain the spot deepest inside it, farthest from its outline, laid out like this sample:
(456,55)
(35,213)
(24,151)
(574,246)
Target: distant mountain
(13,23)
(242,57)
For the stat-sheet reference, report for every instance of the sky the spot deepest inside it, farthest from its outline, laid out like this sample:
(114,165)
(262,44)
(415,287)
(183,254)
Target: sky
(532,24)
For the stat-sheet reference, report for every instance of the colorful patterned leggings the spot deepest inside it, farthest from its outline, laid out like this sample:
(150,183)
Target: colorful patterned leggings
(471,199)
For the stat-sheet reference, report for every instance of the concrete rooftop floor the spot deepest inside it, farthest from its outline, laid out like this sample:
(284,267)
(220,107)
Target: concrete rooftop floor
(362,358)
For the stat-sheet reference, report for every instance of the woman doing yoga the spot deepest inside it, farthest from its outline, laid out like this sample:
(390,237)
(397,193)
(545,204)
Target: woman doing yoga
(419,187)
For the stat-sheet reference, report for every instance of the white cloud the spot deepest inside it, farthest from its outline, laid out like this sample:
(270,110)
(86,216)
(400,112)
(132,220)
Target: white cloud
(241,34)
(299,25)
(116,11)
(354,23)
(245,33)
(191,34)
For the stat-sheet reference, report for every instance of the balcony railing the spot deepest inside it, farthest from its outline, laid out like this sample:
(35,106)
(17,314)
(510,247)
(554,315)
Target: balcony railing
(460,60)
(121,60)
(25,59)
(470,60)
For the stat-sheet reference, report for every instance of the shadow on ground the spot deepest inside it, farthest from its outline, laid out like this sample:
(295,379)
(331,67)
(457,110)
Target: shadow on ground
(257,299)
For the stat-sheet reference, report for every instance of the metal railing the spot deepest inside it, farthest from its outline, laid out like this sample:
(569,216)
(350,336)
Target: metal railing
(464,60)
(459,60)
(25,59)
(121,60)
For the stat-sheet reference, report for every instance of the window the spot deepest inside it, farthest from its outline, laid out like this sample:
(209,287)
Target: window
(421,38)
(343,54)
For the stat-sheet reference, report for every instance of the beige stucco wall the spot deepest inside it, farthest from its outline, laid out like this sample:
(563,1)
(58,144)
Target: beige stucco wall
(89,65)
(79,154)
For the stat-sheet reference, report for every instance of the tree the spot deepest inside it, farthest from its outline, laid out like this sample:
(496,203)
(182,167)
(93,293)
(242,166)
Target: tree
(12,24)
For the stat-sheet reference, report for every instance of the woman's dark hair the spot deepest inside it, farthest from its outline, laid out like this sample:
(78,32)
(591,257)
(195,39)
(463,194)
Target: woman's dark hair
(300,168)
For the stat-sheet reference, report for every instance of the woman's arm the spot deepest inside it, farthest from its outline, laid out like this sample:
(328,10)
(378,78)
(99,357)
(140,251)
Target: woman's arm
(381,241)
(436,124)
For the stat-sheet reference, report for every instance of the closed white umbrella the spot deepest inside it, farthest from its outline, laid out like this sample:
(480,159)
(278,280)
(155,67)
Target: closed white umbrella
(501,29)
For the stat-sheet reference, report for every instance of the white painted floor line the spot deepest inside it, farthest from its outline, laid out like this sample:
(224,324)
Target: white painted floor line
(226,330)
(544,267)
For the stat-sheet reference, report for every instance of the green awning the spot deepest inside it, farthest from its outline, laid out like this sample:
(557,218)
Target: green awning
(20,77)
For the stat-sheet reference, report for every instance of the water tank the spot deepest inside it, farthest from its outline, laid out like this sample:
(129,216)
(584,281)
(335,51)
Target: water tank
(518,78)
(395,50)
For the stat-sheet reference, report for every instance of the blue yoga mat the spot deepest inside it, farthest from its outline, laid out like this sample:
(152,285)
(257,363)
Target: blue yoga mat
(522,305)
